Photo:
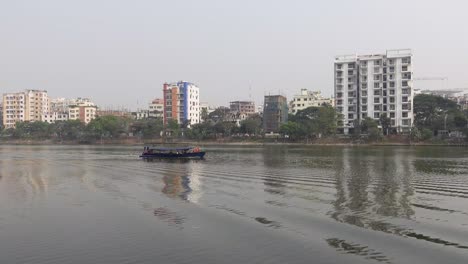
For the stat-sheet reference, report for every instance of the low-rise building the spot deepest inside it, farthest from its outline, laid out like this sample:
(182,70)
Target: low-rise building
(307,99)
(82,109)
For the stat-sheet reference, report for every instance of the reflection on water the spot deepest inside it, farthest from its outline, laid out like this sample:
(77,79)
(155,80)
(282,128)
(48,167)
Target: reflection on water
(172,218)
(350,248)
(185,183)
(251,204)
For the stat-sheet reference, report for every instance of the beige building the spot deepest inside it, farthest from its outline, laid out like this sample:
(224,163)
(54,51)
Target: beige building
(82,109)
(307,99)
(62,109)
(27,106)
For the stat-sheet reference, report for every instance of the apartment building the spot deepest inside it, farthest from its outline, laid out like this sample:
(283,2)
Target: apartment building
(372,85)
(275,113)
(242,107)
(27,106)
(62,109)
(82,109)
(307,99)
(181,102)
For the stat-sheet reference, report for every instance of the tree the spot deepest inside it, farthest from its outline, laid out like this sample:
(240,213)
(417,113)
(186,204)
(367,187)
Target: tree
(68,130)
(204,114)
(107,127)
(147,128)
(437,113)
(252,125)
(293,129)
(30,130)
(317,121)
(370,127)
(385,122)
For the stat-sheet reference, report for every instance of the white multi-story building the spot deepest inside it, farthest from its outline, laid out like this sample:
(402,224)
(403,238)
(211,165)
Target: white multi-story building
(62,109)
(307,99)
(372,85)
(155,110)
(181,102)
(24,106)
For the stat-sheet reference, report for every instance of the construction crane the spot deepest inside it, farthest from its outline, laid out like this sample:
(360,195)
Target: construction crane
(443,79)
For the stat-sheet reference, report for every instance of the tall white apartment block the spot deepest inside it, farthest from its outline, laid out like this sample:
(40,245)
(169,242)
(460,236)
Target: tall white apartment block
(181,102)
(372,85)
(24,106)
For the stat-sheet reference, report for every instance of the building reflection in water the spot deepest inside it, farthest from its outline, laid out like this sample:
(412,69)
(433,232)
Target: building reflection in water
(371,185)
(183,184)
(24,179)
(274,159)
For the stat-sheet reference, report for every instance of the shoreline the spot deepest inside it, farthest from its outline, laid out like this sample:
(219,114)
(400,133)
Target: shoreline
(133,142)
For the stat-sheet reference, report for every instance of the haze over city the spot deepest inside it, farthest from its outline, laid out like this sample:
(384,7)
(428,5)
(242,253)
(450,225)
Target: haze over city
(121,52)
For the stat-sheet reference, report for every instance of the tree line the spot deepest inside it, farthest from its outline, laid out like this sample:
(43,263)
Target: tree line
(432,114)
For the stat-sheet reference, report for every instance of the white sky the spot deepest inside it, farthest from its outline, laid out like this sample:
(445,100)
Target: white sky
(120,52)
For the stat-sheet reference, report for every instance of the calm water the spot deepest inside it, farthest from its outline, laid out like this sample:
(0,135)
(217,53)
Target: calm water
(82,204)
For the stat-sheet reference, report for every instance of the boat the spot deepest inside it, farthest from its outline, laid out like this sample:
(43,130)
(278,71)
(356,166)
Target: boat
(172,153)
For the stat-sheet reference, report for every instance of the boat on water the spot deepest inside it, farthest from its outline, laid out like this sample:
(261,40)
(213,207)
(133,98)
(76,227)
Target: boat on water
(172,153)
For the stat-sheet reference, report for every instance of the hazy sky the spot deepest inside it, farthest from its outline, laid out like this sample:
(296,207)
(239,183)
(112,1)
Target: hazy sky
(121,52)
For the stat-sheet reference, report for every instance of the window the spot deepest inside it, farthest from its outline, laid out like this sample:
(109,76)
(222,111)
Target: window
(392,84)
(364,108)
(377,92)
(376,77)
(406,60)
(350,116)
(376,115)
(376,100)
(364,93)
(404,68)
(392,92)
(404,114)
(404,99)
(376,85)
(392,107)
(364,100)
(392,100)
(364,115)
(392,115)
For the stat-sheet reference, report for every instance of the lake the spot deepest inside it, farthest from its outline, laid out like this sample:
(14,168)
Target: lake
(272,204)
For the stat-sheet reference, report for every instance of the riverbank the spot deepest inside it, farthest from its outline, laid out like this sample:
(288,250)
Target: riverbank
(258,142)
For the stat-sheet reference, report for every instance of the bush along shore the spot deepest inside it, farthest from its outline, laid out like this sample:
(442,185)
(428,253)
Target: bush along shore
(437,121)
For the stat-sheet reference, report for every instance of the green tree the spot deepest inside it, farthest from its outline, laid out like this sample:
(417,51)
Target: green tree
(68,130)
(293,129)
(437,113)
(317,121)
(370,127)
(385,122)
(252,125)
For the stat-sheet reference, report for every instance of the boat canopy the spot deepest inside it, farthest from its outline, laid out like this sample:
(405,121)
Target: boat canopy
(173,149)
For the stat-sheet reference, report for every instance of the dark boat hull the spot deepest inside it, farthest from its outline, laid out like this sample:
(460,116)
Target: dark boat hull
(173,155)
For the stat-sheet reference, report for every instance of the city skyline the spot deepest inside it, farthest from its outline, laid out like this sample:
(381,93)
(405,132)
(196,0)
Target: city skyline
(233,51)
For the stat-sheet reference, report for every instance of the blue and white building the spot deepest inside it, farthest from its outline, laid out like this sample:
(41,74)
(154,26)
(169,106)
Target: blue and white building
(181,102)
